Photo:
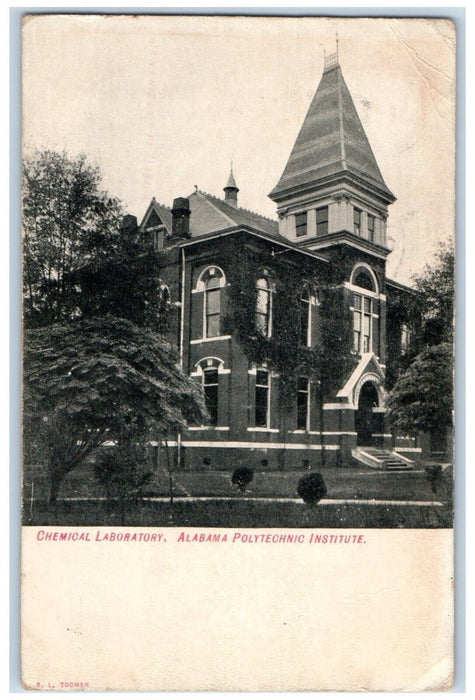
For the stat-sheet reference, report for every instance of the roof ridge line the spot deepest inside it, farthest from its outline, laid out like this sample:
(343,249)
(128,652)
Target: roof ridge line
(340,120)
(250,211)
(207,194)
(163,205)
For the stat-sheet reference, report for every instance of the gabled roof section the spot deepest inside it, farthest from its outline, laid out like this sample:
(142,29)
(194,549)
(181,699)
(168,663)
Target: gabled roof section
(156,215)
(209,213)
(368,365)
(331,141)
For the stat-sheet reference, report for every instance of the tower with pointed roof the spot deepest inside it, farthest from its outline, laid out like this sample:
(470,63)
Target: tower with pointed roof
(332,190)
(231,190)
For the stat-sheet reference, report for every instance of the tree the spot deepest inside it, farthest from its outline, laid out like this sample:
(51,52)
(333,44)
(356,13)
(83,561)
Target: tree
(68,223)
(82,257)
(421,399)
(98,379)
(434,305)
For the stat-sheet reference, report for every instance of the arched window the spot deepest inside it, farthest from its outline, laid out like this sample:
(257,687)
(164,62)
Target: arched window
(264,306)
(208,370)
(363,279)
(210,282)
(364,307)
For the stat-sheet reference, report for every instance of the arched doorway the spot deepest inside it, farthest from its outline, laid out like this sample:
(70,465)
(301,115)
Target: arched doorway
(364,418)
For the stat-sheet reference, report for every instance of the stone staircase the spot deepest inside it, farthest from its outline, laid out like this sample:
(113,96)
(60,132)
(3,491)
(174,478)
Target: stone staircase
(378,458)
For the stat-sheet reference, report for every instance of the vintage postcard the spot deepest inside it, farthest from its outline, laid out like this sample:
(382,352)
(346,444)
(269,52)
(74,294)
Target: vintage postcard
(238,285)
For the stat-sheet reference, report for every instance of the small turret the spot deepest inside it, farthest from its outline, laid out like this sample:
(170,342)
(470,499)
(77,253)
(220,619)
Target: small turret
(231,191)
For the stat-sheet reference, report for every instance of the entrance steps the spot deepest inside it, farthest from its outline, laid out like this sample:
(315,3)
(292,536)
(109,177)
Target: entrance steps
(378,458)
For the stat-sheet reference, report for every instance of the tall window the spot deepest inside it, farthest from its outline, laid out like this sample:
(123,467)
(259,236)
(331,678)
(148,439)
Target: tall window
(365,308)
(262,398)
(213,303)
(305,311)
(322,221)
(301,224)
(371,227)
(362,316)
(302,403)
(357,221)
(405,338)
(264,306)
(210,388)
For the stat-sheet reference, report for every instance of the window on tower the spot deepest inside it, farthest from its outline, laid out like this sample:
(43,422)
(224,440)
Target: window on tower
(357,221)
(371,227)
(322,221)
(301,224)
(365,309)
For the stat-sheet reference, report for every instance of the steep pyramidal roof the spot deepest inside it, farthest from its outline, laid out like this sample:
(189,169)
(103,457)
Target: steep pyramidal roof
(332,140)
(231,182)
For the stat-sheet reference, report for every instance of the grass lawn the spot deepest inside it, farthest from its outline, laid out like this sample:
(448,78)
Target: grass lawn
(243,513)
(257,507)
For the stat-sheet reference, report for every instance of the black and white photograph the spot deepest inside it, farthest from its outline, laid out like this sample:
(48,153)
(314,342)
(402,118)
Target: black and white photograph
(238,272)
(238,288)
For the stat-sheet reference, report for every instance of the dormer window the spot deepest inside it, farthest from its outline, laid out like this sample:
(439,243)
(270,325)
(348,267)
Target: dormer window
(357,221)
(301,224)
(322,221)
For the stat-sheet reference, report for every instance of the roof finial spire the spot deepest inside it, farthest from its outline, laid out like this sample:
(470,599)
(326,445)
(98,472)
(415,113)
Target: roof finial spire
(330,60)
(231,190)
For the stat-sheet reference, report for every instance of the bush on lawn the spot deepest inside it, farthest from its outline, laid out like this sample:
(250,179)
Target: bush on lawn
(242,477)
(433,474)
(311,488)
(123,471)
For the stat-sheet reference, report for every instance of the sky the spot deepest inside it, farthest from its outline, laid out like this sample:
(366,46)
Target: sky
(162,104)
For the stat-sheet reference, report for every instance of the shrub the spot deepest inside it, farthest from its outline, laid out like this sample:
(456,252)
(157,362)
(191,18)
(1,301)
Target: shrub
(123,471)
(311,488)
(433,474)
(242,477)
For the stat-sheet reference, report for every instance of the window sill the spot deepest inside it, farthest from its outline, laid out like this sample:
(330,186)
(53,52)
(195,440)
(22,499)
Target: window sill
(263,430)
(209,427)
(208,340)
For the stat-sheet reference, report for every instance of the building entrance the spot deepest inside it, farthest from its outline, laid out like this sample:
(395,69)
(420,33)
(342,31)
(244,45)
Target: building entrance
(365,418)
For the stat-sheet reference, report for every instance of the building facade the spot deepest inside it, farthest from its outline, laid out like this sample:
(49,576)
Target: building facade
(286,324)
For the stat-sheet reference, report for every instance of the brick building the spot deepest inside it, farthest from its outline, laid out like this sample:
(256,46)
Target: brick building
(332,206)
